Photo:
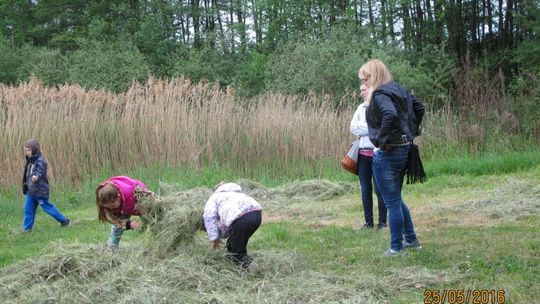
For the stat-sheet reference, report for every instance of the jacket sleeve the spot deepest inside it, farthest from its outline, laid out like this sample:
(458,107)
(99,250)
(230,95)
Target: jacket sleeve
(141,193)
(117,219)
(419,110)
(24,185)
(389,116)
(41,169)
(359,125)
(210,216)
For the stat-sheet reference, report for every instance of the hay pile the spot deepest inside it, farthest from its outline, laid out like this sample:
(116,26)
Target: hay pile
(309,190)
(94,274)
(173,221)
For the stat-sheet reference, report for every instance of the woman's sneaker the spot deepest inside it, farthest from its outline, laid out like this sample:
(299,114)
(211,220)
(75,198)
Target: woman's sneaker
(391,252)
(414,245)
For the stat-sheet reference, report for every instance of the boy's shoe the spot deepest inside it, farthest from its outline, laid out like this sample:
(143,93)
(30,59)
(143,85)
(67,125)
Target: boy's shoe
(414,245)
(381,226)
(66,223)
(391,252)
(26,230)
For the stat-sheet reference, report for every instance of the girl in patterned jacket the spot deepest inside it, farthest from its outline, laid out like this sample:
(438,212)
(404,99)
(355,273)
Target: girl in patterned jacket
(35,187)
(231,214)
(116,200)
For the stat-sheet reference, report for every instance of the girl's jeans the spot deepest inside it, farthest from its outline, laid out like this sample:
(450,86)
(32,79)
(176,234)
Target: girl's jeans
(366,187)
(389,170)
(116,234)
(30,207)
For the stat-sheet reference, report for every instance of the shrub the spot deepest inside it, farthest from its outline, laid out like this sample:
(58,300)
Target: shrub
(109,65)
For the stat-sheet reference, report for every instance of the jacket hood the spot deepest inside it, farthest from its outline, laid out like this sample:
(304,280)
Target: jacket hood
(229,187)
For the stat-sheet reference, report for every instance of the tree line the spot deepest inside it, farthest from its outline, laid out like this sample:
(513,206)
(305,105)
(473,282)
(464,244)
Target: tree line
(251,44)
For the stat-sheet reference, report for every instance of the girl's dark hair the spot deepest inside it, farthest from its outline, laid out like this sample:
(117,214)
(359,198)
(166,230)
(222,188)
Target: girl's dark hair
(106,192)
(33,144)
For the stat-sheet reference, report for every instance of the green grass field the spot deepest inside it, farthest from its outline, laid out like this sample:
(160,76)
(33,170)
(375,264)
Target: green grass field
(479,231)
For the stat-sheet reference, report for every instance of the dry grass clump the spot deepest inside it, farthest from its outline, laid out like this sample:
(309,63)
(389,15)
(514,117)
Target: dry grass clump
(316,189)
(319,190)
(420,277)
(174,219)
(515,199)
(76,263)
(256,190)
(90,274)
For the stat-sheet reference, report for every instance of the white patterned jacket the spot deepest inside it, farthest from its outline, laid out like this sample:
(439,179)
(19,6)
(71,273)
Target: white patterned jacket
(225,205)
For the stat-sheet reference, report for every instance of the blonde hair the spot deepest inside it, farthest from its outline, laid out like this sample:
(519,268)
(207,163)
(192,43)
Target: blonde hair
(376,74)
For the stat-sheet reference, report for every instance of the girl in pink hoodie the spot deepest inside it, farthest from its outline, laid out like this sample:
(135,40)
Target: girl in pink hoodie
(116,200)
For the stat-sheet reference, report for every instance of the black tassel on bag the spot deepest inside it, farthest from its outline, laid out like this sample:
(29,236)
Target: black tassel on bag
(415,169)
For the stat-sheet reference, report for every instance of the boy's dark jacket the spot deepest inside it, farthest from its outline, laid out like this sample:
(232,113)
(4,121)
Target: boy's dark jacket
(393,112)
(36,165)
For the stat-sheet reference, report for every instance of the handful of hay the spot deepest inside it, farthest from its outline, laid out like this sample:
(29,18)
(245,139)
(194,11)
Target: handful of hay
(173,219)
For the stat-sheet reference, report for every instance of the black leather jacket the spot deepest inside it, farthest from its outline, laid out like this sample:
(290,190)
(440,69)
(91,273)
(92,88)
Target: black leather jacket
(393,116)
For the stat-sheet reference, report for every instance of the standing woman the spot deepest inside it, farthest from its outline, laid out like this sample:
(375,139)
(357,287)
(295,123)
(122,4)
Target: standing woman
(393,117)
(359,128)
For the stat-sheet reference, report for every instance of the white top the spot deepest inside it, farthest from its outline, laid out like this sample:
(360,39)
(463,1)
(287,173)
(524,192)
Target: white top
(359,126)
(224,206)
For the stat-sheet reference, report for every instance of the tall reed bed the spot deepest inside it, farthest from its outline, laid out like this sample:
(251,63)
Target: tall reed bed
(176,123)
(167,123)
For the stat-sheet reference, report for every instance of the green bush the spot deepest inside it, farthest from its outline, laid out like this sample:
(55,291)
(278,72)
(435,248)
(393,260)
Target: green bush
(322,65)
(10,60)
(250,75)
(48,65)
(109,65)
(204,63)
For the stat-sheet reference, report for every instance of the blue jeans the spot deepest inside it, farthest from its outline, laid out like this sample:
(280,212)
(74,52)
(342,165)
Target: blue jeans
(366,187)
(389,170)
(30,207)
(116,233)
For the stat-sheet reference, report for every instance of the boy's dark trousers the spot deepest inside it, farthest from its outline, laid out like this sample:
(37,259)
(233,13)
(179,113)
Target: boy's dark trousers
(240,232)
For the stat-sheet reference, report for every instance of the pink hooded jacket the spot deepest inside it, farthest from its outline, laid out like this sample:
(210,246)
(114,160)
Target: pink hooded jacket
(127,185)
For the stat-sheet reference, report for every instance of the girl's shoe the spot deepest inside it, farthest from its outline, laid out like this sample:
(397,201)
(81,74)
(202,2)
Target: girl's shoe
(66,223)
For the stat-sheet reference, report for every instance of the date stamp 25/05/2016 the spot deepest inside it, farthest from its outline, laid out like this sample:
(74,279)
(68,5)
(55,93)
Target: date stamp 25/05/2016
(464,296)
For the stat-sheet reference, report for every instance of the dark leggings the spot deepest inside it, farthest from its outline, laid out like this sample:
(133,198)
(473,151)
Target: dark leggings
(240,232)
(365,175)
